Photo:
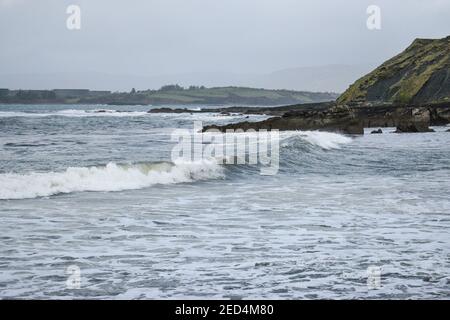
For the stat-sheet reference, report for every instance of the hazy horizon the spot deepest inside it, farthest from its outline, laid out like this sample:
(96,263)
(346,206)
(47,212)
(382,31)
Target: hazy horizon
(273,44)
(331,78)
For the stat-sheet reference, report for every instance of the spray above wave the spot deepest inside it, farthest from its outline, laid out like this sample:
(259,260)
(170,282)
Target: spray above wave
(324,140)
(112,177)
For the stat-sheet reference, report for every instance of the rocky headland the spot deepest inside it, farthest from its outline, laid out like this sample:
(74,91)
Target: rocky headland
(348,120)
(411,92)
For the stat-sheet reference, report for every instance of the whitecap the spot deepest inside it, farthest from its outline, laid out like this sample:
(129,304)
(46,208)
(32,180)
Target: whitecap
(112,177)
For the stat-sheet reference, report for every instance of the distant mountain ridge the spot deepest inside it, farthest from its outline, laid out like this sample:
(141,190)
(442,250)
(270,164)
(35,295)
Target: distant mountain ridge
(326,78)
(420,74)
(169,94)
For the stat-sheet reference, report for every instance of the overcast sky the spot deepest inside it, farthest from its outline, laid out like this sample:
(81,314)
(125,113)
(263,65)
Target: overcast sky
(155,37)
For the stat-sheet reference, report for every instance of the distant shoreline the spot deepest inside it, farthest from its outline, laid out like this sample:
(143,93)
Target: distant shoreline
(170,94)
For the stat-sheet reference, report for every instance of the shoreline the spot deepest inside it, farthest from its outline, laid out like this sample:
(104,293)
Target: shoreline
(334,117)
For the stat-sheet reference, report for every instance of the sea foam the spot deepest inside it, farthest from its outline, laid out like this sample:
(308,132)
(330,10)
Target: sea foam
(73,113)
(112,177)
(324,140)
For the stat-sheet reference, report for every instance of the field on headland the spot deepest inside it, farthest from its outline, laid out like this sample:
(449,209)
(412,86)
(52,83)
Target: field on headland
(170,94)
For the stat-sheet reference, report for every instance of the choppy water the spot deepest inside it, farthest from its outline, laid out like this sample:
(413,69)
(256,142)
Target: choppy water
(97,190)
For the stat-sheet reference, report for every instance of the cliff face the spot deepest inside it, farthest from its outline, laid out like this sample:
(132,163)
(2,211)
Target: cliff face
(420,74)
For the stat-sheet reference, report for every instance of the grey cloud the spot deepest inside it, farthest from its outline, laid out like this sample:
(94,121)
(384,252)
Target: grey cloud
(159,38)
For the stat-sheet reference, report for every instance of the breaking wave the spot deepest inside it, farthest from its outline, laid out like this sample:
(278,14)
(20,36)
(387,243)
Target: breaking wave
(118,177)
(322,139)
(112,177)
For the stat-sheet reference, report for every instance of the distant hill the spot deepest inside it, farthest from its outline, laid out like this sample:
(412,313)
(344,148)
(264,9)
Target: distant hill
(420,74)
(332,78)
(174,94)
(169,94)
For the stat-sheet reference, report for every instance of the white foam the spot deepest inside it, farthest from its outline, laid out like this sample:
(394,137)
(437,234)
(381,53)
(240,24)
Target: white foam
(112,177)
(210,116)
(74,113)
(325,140)
(207,116)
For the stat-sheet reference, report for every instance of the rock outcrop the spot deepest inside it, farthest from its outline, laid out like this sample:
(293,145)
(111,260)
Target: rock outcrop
(411,91)
(418,75)
(351,120)
(391,115)
(414,120)
(337,119)
(272,111)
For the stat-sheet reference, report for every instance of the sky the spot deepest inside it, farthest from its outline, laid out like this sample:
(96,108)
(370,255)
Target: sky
(170,37)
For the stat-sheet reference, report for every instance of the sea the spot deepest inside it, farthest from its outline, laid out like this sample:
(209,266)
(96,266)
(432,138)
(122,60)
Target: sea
(92,206)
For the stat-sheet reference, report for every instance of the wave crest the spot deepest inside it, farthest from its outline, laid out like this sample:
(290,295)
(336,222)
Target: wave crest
(112,177)
(322,139)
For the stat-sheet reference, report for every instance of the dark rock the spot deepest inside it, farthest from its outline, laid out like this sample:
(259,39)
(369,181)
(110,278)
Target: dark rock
(414,120)
(377,131)
(337,119)
(391,115)
(412,128)
(273,111)
(332,117)
(440,116)
(170,110)
(350,120)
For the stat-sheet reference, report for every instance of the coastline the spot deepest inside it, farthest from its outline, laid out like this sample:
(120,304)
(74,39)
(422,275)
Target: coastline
(335,117)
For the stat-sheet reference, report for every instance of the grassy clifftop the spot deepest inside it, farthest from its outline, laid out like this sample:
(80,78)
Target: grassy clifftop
(420,74)
(174,94)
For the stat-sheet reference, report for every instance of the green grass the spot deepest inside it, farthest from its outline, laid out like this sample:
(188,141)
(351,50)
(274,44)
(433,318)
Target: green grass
(414,67)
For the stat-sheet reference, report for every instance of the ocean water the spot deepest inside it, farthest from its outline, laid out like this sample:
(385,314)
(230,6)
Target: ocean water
(96,191)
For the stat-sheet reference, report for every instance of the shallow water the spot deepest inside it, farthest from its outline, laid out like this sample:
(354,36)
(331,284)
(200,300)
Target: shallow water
(97,191)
